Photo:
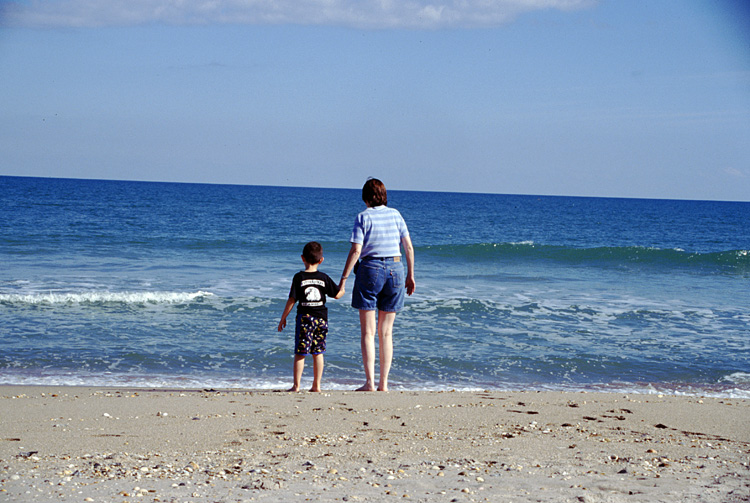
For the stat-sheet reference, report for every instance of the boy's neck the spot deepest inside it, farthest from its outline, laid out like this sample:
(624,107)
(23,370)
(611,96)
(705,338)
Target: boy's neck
(311,267)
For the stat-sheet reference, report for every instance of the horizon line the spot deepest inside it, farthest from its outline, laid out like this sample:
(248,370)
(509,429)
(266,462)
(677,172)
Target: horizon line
(229,184)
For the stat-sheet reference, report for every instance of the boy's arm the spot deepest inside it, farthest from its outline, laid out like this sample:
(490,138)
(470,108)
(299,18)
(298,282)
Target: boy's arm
(287,309)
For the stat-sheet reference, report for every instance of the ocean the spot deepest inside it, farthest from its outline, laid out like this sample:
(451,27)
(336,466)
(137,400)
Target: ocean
(115,283)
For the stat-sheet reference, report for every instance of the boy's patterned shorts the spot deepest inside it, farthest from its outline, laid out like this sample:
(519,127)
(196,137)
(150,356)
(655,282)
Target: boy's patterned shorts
(310,336)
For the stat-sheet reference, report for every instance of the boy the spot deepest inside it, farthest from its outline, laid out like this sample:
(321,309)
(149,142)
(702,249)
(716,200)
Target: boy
(310,288)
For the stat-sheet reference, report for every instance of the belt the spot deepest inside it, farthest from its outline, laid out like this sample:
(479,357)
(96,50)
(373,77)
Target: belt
(383,259)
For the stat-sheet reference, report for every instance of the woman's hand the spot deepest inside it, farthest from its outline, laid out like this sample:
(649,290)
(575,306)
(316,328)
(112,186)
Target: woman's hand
(411,285)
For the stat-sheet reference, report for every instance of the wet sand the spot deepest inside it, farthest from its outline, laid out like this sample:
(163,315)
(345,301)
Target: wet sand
(99,444)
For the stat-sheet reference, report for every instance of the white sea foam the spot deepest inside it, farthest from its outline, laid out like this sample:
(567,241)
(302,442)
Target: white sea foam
(187,382)
(138,381)
(738,378)
(104,296)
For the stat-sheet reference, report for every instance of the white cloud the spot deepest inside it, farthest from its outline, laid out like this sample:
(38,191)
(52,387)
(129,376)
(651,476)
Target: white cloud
(735,172)
(375,14)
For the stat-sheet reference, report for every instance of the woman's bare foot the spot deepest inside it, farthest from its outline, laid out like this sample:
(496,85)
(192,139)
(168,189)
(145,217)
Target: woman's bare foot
(366,387)
(293,389)
(315,390)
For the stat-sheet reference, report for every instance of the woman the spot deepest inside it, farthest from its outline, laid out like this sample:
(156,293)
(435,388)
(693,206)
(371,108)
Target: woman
(379,285)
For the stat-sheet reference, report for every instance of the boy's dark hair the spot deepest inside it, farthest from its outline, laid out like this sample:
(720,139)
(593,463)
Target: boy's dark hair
(312,253)
(374,193)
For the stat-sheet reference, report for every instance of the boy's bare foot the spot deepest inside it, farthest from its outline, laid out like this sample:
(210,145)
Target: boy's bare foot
(315,390)
(385,389)
(366,387)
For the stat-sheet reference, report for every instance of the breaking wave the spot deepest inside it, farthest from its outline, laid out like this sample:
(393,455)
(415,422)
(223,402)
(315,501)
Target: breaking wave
(102,297)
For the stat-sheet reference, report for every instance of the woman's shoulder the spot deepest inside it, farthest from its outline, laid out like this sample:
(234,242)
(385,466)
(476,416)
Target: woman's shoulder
(381,210)
(379,214)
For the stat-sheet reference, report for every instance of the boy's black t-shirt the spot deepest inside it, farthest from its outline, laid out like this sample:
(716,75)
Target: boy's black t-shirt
(309,289)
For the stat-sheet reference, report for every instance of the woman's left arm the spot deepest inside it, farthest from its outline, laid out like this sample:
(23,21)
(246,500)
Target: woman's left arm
(411,285)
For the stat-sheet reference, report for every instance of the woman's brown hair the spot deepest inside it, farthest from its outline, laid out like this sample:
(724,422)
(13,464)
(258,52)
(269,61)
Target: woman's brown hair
(374,193)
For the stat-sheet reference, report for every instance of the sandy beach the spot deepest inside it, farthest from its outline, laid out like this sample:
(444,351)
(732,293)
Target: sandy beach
(100,444)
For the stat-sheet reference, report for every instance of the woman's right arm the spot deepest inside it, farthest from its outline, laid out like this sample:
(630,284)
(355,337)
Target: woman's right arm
(354,253)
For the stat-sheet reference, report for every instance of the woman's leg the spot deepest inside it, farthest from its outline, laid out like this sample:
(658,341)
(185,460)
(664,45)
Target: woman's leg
(367,328)
(385,339)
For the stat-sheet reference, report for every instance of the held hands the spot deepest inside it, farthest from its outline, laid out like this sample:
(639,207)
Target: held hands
(342,289)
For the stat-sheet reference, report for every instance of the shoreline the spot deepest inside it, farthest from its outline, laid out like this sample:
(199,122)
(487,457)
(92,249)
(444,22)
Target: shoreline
(717,390)
(71,443)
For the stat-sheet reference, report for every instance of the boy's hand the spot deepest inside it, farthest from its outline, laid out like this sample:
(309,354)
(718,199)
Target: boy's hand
(287,309)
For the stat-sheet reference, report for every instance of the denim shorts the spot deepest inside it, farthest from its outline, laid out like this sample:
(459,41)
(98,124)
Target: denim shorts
(379,285)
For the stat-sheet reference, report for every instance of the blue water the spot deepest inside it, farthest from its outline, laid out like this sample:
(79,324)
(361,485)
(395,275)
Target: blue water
(182,285)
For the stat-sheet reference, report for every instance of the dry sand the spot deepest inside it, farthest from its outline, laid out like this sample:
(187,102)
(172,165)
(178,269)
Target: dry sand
(136,445)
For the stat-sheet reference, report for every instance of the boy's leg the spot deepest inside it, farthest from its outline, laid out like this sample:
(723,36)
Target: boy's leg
(367,328)
(385,338)
(299,365)
(318,363)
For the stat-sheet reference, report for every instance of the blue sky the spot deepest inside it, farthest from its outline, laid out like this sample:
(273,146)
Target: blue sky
(626,98)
